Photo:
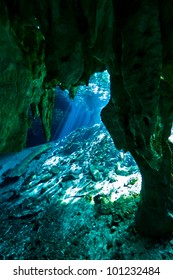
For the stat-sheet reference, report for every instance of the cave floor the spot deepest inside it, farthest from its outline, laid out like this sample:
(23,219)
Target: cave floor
(70,200)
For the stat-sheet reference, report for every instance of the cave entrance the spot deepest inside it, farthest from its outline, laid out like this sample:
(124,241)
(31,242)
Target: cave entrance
(70,114)
(82,111)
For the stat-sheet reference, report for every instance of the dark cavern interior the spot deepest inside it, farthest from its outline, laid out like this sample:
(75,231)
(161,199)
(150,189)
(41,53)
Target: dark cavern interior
(86,129)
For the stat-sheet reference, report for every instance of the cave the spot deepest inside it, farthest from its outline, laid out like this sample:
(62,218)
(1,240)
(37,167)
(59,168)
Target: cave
(59,43)
(70,114)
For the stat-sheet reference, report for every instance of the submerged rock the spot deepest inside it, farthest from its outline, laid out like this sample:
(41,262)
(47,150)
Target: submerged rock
(96,175)
(66,195)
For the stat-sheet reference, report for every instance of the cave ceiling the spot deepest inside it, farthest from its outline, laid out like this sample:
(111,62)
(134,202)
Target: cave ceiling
(49,43)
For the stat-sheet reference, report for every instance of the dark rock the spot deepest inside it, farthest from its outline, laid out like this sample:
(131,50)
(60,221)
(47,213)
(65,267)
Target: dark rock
(109,245)
(14,196)
(119,243)
(68,177)
(113,229)
(55,169)
(25,215)
(9,180)
(96,175)
(11,257)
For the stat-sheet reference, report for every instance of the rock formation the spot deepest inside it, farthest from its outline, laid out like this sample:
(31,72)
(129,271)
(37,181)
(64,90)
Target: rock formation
(60,42)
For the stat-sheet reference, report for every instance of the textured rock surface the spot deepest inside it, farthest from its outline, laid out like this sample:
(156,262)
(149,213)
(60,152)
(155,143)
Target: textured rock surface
(45,43)
(95,218)
(141,109)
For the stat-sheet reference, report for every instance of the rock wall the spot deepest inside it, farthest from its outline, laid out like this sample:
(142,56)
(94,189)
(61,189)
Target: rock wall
(139,113)
(48,43)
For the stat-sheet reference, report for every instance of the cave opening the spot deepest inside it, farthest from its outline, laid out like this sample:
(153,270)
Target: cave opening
(69,114)
(84,109)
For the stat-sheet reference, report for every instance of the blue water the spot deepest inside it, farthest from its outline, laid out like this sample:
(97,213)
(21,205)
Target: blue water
(85,109)
(70,114)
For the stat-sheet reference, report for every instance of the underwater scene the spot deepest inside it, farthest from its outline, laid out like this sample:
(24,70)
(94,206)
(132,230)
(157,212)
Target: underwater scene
(75,197)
